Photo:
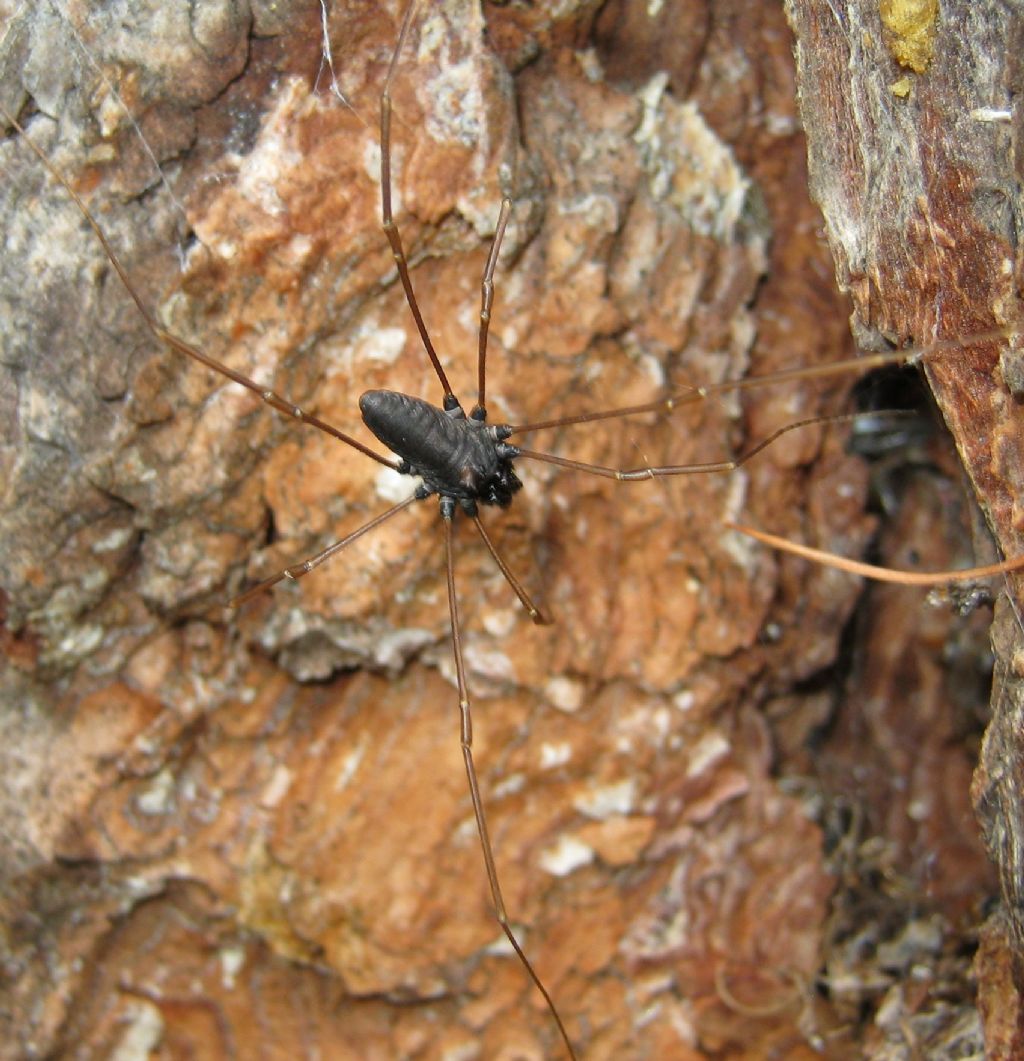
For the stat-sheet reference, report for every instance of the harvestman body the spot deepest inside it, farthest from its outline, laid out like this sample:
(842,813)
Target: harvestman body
(465,461)
(459,458)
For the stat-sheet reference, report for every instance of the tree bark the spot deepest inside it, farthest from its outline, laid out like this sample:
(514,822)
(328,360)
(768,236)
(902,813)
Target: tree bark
(226,832)
(913,140)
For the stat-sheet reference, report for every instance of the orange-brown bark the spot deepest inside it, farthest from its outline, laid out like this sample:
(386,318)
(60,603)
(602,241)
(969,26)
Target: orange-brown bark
(233,833)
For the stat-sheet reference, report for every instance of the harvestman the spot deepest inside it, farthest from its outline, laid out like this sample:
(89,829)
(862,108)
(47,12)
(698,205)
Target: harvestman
(466,462)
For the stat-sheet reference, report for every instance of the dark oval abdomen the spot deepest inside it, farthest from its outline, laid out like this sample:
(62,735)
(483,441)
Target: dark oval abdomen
(453,455)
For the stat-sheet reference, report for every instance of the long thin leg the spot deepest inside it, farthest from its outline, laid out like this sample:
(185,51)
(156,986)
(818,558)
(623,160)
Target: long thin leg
(486,301)
(388,222)
(880,574)
(296,571)
(633,475)
(466,737)
(272,398)
(690,395)
(537,614)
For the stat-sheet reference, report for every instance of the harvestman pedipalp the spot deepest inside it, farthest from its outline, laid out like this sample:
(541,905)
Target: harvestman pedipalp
(473,462)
